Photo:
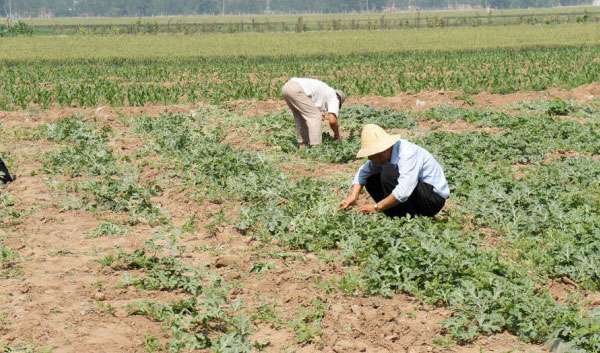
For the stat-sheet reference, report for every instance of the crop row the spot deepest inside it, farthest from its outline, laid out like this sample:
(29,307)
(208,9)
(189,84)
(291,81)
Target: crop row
(536,208)
(167,81)
(441,262)
(109,186)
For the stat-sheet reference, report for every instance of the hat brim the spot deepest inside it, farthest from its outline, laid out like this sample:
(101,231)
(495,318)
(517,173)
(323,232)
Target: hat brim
(379,147)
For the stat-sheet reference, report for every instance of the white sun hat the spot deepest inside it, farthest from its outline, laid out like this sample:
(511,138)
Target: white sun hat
(374,139)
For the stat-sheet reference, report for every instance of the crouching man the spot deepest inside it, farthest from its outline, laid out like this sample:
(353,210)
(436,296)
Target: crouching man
(401,177)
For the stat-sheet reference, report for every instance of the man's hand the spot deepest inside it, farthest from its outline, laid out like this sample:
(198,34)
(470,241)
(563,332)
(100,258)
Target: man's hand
(368,209)
(348,202)
(352,197)
(333,124)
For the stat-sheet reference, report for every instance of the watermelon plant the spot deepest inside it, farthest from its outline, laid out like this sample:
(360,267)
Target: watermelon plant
(441,262)
(107,184)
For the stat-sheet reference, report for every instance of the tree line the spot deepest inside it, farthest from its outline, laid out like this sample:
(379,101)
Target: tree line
(67,8)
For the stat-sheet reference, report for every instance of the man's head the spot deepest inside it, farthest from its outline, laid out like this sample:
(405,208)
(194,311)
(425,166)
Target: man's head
(381,158)
(376,144)
(341,96)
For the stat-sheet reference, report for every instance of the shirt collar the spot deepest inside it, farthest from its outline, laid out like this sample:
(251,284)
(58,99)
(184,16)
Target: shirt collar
(395,153)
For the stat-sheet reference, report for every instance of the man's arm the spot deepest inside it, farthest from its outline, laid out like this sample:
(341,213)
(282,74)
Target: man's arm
(360,179)
(333,123)
(382,205)
(333,110)
(409,166)
(352,197)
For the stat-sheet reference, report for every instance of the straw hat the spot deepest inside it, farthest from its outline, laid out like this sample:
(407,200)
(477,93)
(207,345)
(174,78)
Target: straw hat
(373,140)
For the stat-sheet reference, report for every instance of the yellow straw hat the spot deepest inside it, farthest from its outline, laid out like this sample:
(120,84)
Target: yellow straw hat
(373,140)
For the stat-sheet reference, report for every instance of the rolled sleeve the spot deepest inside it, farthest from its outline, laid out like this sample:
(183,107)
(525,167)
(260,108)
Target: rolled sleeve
(364,172)
(408,178)
(333,104)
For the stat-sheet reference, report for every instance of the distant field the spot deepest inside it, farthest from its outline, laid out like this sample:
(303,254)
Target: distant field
(286,44)
(293,18)
(301,23)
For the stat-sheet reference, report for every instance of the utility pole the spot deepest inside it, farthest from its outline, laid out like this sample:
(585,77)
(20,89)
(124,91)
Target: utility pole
(367,5)
(268,9)
(9,11)
(223,8)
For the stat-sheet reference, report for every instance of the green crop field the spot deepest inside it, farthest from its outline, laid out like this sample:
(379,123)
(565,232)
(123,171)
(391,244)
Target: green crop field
(133,82)
(150,214)
(295,44)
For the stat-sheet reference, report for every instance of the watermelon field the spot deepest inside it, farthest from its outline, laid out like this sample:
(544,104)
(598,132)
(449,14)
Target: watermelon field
(161,203)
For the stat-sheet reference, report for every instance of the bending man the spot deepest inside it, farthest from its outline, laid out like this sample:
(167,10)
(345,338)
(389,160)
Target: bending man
(401,177)
(311,101)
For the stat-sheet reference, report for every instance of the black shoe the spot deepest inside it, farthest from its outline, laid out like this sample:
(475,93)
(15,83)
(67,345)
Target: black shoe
(5,176)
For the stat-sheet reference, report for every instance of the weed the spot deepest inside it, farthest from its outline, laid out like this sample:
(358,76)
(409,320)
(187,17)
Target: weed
(559,107)
(106,308)
(9,213)
(214,226)
(307,324)
(105,229)
(190,224)
(151,344)
(267,313)
(351,284)
(8,262)
(261,267)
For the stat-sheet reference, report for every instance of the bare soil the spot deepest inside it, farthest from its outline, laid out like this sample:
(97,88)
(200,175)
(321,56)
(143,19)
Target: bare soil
(427,100)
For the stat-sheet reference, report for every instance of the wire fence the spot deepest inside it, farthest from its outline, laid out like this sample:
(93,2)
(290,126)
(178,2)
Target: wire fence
(302,25)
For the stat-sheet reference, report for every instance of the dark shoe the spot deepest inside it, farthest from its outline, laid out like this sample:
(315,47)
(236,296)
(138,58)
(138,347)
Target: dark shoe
(5,176)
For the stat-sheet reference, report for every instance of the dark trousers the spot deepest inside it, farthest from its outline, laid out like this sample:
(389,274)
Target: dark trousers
(5,176)
(422,202)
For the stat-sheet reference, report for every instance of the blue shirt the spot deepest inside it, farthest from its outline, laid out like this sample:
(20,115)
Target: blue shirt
(414,164)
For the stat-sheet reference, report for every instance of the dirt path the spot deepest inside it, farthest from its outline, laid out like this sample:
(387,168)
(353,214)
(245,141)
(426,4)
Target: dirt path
(427,100)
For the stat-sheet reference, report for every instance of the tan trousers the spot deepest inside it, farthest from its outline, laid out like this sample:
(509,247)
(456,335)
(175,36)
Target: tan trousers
(308,117)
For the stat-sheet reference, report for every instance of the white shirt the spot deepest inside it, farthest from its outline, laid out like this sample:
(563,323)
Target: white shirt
(322,96)
(414,164)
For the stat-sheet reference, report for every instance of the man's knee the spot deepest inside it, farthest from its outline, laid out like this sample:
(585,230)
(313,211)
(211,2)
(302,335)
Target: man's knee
(427,201)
